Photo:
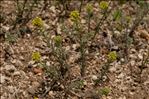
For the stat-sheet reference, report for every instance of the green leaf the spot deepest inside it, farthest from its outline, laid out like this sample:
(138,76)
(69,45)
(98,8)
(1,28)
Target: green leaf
(122,1)
(128,19)
(104,91)
(58,40)
(117,15)
(129,40)
(10,38)
(141,3)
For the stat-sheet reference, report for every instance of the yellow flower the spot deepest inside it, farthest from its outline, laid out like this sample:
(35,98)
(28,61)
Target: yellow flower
(37,22)
(36,56)
(36,98)
(112,56)
(89,8)
(103,5)
(75,16)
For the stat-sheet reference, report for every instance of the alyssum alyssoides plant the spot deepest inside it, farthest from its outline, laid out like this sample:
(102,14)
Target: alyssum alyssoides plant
(80,35)
(60,54)
(111,57)
(55,43)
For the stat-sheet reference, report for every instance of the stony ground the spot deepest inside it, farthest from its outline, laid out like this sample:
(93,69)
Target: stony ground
(21,77)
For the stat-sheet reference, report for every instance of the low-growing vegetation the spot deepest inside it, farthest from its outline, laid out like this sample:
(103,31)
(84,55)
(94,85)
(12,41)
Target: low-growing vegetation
(74,49)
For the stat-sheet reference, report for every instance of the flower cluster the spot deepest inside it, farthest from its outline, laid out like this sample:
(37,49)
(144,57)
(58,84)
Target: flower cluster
(36,56)
(112,56)
(89,9)
(75,16)
(37,22)
(103,5)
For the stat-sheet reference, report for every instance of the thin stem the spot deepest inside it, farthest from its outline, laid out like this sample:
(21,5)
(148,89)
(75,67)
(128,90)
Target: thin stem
(104,17)
(82,51)
(80,8)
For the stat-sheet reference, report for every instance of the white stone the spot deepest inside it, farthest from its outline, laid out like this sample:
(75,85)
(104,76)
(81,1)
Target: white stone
(122,60)
(52,8)
(122,97)
(132,63)
(11,89)
(10,67)
(51,93)
(2,79)
(140,56)
(48,63)
(59,29)
(120,76)
(112,69)
(17,73)
(75,46)
(31,62)
(85,82)
(83,21)
(146,83)
(94,77)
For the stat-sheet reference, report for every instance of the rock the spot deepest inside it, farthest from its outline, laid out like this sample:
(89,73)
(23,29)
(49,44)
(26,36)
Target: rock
(122,97)
(2,97)
(83,21)
(117,33)
(85,83)
(104,78)
(17,73)
(75,46)
(51,94)
(6,27)
(11,89)
(67,48)
(59,29)
(144,34)
(38,70)
(17,63)
(48,64)
(44,58)
(21,58)
(120,76)
(115,48)
(132,56)
(10,68)
(122,60)
(112,69)
(132,63)
(2,79)
(31,62)
(46,26)
(91,94)
(52,8)
(140,56)
(146,83)
(32,89)
(10,50)
(23,74)
(35,84)
(94,77)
